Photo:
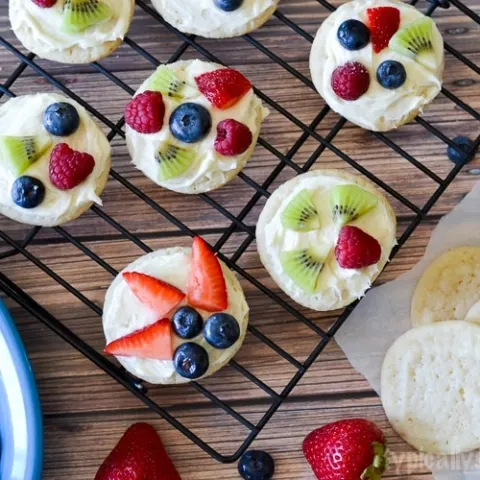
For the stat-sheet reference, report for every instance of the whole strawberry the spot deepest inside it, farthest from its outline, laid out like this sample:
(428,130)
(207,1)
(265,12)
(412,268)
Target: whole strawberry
(346,450)
(144,113)
(233,138)
(356,249)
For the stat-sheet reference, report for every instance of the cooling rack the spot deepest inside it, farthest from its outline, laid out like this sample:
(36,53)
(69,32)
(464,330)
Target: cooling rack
(237,222)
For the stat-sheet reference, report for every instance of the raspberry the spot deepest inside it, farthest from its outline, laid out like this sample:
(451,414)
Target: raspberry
(383,23)
(69,168)
(233,138)
(350,81)
(45,3)
(144,113)
(356,249)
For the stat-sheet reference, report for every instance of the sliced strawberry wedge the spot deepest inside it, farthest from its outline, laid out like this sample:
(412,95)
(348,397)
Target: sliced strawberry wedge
(154,341)
(159,296)
(206,285)
(383,23)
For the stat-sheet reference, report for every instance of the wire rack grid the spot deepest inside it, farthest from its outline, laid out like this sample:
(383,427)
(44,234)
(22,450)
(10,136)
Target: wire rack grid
(238,223)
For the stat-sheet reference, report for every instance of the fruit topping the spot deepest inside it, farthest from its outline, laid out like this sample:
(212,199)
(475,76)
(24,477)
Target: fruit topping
(187,322)
(350,81)
(464,144)
(69,168)
(139,455)
(221,330)
(256,465)
(21,152)
(353,34)
(356,248)
(415,40)
(144,112)
(78,15)
(223,88)
(61,119)
(190,122)
(28,192)
(191,360)
(233,138)
(391,74)
(154,341)
(303,266)
(349,202)
(383,23)
(45,3)
(347,450)
(158,296)
(206,284)
(228,5)
(165,81)
(300,214)
(174,161)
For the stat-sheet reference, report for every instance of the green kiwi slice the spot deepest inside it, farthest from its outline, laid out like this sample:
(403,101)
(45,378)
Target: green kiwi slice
(349,202)
(21,152)
(300,214)
(303,266)
(174,160)
(165,81)
(78,15)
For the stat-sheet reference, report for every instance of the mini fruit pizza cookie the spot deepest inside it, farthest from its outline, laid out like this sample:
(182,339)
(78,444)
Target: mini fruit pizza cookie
(175,315)
(325,236)
(216,18)
(54,159)
(192,125)
(377,62)
(71,31)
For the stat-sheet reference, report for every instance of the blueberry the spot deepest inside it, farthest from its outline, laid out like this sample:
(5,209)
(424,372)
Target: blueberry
(187,322)
(464,144)
(228,5)
(191,360)
(190,122)
(256,465)
(391,74)
(61,119)
(353,34)
(28,192)
(221,330)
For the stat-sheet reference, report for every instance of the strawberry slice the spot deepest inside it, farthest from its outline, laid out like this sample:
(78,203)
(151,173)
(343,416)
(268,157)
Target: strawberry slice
(159,296)
(154,341)
(223,88)
(206,286)
(383,23)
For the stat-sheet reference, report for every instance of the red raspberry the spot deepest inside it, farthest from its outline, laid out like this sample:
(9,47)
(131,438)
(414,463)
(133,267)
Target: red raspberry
(145,112)
(69,168)
(45,3)
(350,81)
(383,23)
(356,249)
(233,138)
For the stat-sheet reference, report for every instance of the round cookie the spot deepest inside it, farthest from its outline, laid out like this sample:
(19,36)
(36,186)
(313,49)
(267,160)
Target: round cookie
(448,288)
(204,18)
(335,287)
(43,32)
(429,387)
(123,314)
(379,108)
(23,117)
(205,168)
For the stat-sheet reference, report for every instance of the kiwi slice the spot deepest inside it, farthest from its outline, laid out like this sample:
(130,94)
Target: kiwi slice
(303,266)
(21,152)
(174,161)
(165,81)
(78,15)
(349,202)
(300,214)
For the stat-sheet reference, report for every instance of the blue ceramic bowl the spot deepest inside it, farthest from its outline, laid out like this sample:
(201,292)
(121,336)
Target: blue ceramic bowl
(21,432)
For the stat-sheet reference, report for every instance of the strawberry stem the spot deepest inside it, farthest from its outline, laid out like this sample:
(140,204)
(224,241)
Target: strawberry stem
(379,463)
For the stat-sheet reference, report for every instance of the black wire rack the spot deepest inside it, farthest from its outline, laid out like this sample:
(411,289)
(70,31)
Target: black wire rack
(238,224)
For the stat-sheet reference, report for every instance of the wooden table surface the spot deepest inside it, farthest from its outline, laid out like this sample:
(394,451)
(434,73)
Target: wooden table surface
(85,411)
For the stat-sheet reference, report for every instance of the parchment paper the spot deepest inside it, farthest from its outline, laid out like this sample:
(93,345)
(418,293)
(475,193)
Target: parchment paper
(384,314)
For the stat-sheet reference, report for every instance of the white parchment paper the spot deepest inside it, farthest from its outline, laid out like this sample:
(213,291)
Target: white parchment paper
(384,314)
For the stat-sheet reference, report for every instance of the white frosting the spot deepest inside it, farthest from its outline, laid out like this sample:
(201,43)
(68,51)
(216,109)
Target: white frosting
(335,284)
(23,116)
(473,315)
(124,313)
(379,108)
(44,25)
(210,167)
